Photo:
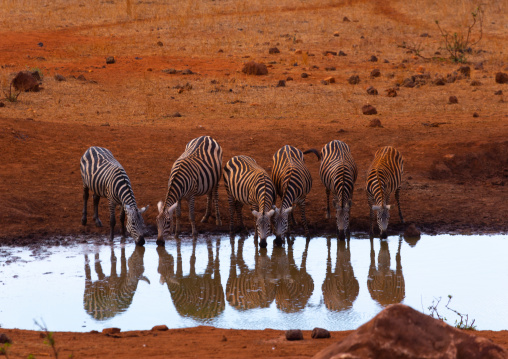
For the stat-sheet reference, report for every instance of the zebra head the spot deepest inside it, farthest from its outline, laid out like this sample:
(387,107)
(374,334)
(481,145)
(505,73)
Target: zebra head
(164,221)
(383,216)
(280,222)
(135,224)
(263,225)
(342,215)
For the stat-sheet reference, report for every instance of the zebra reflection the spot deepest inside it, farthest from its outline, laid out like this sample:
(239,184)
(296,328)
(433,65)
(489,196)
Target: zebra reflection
(386,286)
(113,294)
(197,296)
(340,288)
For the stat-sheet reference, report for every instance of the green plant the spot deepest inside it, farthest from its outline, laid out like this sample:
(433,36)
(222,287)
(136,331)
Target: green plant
(11,96)
(49,338)
(30,356)
(464,318)
(3,349)
(413,48)
(458,44)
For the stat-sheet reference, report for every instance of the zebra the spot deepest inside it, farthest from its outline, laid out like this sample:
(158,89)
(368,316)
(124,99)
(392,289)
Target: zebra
(110,295)
(247,183)
(195,173)
(293,182)
(338,173)
(106,177)
(384,177)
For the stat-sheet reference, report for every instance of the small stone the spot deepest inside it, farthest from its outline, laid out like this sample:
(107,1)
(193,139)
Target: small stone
(81,77)
(375,122)
(320,333)
(176,114)
(371,90)
(345,19)
(375,73)
(111,331)
(336,34)
(281,83)
(501,78)
(465,70)
(342,53)
(354,80)
(159,43)
(330,80)
(328,52)
(273,50)
(169,71)
(59,77)
(224,338)
(439,82)
(187,72)
(453,99)
(412,231)
(304,75)
(424,35)
(373,58)
(475,83)
(110,60)
(497,93)
(254,68)
(408,82)
(289,78)
(294,334)
(332,68)
(391,92)
(5,339)
(160,328)
(369,110)
(2,104)
(298,52)
(475,114)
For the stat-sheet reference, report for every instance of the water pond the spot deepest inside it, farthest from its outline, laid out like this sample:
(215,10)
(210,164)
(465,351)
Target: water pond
(233,284)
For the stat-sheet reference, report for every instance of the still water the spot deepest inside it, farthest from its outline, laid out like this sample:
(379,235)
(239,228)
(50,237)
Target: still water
(233,284)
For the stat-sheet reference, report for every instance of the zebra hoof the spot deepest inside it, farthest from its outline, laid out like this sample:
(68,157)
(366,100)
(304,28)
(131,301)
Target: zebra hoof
(140,241)
(160,242)
(204,219)
(98,223)
(83,221)
(263,244)
(218,222)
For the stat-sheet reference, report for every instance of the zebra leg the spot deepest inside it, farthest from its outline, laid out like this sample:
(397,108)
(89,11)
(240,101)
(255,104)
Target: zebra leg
(239,207)
(208,208)
(397,197)
(304,219)
(218,221)
(191,216)
(232,210)
(112,220)
(327,203)
(96,200)
(122,221)
(178,215)
(85,200)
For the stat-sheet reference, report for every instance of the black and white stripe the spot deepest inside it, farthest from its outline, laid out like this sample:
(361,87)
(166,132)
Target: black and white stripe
(105,177)
(247,183)
(292,182)
(384,177)
(338,173)
(195,173)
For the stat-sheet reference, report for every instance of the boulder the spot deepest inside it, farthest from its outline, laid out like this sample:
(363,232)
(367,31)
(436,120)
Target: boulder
(369,110)
(254,68)
(294,334)
(402,332)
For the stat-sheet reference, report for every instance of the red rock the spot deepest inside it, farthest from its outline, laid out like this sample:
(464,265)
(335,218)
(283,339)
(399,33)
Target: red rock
(160,328)
(369,110)
(254,68)
(111,331)
(501,78)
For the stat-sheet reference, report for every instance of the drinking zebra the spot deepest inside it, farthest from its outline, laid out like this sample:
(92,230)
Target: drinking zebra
(384,177)
(338,173)
(106,177)
(247,183)
(293,182)
(195,173)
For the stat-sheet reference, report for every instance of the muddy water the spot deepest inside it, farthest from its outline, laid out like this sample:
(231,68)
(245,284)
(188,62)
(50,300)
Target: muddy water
(232,284)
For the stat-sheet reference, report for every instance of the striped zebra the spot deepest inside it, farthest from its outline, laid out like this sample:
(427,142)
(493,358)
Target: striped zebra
(110,295)
(293,182)
(386,286)
(195,173)
(247,183)
(338,173)
(106,177)
(384,177)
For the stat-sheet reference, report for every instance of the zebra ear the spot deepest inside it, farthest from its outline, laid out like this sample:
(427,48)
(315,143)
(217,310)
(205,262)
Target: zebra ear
(387,206)
(289,210)
(142,210)
(376,208)
(172,208)
(160,206)
(270,213)
(256,213)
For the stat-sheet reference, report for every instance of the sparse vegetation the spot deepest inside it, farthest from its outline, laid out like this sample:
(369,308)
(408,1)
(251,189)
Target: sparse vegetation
(4,349)
(11,95)
(464,318)
(49,338)
(458,44)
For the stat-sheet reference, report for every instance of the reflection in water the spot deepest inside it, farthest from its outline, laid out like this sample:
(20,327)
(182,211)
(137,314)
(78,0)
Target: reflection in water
(108,296)
(196,296)
(341,287)
(386,286)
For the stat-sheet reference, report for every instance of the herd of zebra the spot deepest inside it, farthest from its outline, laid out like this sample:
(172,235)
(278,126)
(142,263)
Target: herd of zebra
(198,170)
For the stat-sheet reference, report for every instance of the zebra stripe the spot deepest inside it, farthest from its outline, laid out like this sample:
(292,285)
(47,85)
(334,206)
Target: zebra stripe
(293,182)
(106,177)
(247,183)
(195,173)
(110,295)
(384,177)
(338,173)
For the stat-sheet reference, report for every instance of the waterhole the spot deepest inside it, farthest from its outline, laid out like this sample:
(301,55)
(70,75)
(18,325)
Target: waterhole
(228,283)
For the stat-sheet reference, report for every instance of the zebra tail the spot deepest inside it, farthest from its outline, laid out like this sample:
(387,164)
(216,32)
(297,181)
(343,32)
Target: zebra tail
(313,150)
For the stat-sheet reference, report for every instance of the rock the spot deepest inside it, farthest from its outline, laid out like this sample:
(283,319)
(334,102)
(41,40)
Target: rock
(369,110)
(281,83)
(320,333)
(424,35)
(59,77)
(289,78)
(371,90)
(500,92)
(345,19)
(333,53)
(375,122)
(342,53)
(111,331)
(160,328)
(412,231)
(330,80)
(169,71)
(465,70)
(176,114)
(336,34)
(110,60)
(298,52)
(25,81)
(81,77)
(391,92)
(408,82)
(273,50)
(402,332)
(475,114)
(187,72)
(294,334)
(2,104)
(373,58)
(478,65)
(475,83)
(304,75)
(453,99)
(5,339)
(332,68)
(501,78)
(159,43)
(254,68)
(375,73)
(354,80)
(439,81)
